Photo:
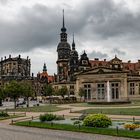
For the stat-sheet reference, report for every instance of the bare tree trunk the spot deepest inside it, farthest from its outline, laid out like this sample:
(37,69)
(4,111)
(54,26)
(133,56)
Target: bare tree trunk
(27,101)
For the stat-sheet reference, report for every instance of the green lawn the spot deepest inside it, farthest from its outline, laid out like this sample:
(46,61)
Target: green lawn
(45,108)
(104,131)
(116,111)
(134,103)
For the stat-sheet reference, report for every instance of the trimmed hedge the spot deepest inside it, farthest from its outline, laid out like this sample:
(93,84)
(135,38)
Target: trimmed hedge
(50,117)
(97,120)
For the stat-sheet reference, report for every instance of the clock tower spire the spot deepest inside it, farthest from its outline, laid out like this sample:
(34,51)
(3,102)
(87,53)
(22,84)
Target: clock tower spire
(63,50)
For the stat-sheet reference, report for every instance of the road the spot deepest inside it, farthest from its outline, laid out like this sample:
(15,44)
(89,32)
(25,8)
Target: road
(8,132)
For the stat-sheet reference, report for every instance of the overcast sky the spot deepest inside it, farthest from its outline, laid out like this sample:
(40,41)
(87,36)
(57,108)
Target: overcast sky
(102,27)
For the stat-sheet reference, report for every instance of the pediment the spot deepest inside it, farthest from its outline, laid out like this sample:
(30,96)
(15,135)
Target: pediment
(100,71)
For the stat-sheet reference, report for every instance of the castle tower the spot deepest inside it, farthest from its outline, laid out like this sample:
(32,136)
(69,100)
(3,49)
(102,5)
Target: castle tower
(73,63)
(63,50)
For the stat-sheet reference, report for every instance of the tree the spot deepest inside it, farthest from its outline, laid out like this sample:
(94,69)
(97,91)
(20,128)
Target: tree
(81,93)
(48,90)
(63,91)
(13,90)
(27,91)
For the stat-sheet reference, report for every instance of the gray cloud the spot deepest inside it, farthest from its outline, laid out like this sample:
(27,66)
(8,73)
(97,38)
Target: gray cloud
(105,23)
(97,54)
(32,28)
(118,51)
(4,2)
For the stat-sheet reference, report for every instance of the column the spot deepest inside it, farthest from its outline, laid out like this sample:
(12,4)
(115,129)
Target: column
(108,92)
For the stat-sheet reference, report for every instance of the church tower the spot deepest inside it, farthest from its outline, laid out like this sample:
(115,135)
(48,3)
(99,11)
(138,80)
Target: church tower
(63,50)
(73,61)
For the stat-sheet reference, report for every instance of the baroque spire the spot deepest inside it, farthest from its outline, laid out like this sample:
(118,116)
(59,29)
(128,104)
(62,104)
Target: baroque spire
(63,29)
(73,43)
(44,68)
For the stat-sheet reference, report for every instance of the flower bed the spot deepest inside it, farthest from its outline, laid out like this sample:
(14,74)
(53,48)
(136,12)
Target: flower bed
(131,126)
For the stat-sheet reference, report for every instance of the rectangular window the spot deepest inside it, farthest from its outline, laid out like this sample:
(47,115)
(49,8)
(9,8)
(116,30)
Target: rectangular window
(101,91)
(131,88)
(87,88)
(71,86)
(115,90)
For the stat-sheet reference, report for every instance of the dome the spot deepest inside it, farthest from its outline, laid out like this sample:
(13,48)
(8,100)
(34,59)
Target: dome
(63,45)
(74,53)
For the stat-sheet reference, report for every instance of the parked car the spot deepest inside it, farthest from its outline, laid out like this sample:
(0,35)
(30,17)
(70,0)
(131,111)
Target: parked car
(20,102)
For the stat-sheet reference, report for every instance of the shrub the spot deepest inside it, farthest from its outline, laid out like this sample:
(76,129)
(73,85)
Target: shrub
(97,120)
(76,122)
(42,118)
(59,118)
(50,117)
(4,114)
(47,117)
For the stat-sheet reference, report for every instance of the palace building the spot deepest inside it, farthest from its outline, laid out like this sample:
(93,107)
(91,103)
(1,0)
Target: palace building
(102,80)
(14,68)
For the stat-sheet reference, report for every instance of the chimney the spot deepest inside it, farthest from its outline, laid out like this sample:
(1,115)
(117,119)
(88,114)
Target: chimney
(9,55)
(1,58)
(97,59)
(129,61)
(5,57)
(105,60)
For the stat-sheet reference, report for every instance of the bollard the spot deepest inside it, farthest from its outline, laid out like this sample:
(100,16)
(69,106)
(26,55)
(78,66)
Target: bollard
(117,130)
(32,118)
(79,126)
(133,119)
(12,121)
(29,123)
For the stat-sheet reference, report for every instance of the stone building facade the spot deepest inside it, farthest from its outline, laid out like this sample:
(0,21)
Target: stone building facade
(15,68)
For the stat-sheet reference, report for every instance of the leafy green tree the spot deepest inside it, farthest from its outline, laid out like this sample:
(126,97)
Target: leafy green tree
(81,93)
(13,90)
(48,91)
(63,91)
(27,91)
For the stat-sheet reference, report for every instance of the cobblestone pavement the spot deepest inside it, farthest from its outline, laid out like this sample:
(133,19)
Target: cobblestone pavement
(8,132)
